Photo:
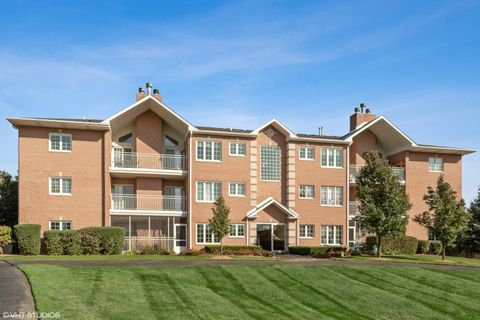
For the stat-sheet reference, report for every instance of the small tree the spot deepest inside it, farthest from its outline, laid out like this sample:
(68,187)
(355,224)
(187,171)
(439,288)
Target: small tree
(383,201)
(220,222)
(471,241)
(446,217)
(5,237)
(8,199)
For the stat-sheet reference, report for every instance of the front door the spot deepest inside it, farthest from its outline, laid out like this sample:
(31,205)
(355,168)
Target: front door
(174,199)
(180,239)
(271,236)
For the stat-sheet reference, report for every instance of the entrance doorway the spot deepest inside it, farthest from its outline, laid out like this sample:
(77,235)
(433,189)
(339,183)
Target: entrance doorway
(271,236)
(180,240)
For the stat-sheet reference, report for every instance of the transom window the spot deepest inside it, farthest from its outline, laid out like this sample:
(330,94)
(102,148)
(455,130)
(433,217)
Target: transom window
(236,189)
(209,150)
(270,163)
(208,191)
(435,164)
(205,235)
(60,142)
(307,192)
(61,185)
(332,157)
(331,196)
(59,225)
(237,149)
(307,153)
(307,230)
(237,230)
(331,235)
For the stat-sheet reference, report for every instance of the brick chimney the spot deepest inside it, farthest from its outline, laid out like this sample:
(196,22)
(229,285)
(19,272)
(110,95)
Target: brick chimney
(361,115)
(141,93)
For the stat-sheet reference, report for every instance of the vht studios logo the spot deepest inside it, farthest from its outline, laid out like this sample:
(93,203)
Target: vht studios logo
(31,315)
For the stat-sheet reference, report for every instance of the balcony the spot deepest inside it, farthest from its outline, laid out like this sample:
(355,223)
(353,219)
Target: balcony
(127,164)
(148,204)
(399,171)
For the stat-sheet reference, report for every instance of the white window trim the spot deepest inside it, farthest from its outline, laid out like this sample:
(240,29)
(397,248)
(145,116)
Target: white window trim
(61,224)
(61,193)
(306,198)
(334,157)
(213,189)
(332,205)
(236,230)
(436,171)
(237,195)
(306,237)
(306,159)
(204,233)
(204,152)
(236,155)
(61,144)
(334,235)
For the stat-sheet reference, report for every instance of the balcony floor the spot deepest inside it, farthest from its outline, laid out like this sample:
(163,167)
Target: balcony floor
(140,172)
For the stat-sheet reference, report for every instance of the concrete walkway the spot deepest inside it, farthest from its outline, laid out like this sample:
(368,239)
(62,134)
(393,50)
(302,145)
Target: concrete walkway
(291,260)
(15,292)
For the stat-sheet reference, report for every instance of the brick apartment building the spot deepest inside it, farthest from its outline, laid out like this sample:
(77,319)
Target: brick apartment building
(152,172)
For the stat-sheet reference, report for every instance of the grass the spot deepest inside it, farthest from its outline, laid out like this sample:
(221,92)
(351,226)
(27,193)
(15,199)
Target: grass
(123,258)
(419,258)
(255,292)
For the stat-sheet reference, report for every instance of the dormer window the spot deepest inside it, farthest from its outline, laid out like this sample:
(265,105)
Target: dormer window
(126,139)
(170,142)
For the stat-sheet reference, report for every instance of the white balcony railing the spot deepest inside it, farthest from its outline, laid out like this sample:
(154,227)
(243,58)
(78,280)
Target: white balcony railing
(134,160)
(353,208)
(354,169)
(136,202)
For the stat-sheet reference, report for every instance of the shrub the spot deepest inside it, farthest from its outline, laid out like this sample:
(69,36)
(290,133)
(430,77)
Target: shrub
(423,246)
(72,242)
(192,252)
(392,246)
(5,236)
(318,251)
(90,241)
(53,242)
(235,250)
(28,237)
(435,248)
(153,250)
(111,239)
(300,250)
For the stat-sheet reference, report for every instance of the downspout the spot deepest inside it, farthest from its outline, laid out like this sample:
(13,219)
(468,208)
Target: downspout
(190,189)
(347,202)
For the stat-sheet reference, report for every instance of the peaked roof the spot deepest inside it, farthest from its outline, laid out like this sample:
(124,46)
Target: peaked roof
(277,124)
(268,202)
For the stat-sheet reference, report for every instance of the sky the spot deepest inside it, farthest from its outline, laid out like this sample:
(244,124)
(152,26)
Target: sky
(241,63)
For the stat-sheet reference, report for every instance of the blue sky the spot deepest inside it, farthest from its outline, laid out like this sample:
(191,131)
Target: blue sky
(241,63)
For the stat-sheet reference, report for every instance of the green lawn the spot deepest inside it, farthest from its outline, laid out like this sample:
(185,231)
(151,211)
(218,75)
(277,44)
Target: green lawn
(419,258)
(255,292)
(124,258)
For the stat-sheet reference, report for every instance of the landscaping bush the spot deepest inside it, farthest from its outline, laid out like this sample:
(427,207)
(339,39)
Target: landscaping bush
(318,251)
(111,238)
(153,250)
(300,250)
(435,248)
(235,250)
(5,237)
(28,237)
(423,246)
(72,242)
(192,252)
(53,242)
(90,241)
(393,246)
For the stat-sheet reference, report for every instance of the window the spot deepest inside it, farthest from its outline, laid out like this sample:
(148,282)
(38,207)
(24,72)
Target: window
(331,235)
(61,185)
(209,150)
(208,191)
(307,230)
(126,139)
(431,236)
(170,142)
(270,163)
(435,164)
(332,158)
(307,192)
(307,153)
(60,142)
(205,235)
(331,196)
(237,230)
(59,225)
(237,149)
(236,189)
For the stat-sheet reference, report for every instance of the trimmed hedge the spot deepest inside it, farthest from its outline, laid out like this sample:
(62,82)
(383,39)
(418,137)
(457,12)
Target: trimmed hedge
(393,246)
(53,242)
(318,251)
(72,244)
(91,243)
(235,250)
(28,237)
(423,246)
(111,238)
(435,248)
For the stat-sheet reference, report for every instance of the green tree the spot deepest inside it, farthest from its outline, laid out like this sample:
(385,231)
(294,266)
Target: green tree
(446,217)
(8,199)
(220,222)
(383,201)
(471,240)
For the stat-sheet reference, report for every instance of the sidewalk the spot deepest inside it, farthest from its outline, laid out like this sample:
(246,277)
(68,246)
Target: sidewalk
(15,292)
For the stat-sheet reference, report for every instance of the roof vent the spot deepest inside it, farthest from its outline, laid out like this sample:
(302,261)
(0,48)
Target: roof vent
(149,88)
(141,91)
